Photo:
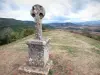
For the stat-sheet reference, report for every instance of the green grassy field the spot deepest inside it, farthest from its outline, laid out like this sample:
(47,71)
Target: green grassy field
(72,54)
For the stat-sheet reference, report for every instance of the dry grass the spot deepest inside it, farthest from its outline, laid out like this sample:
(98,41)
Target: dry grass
(72,54)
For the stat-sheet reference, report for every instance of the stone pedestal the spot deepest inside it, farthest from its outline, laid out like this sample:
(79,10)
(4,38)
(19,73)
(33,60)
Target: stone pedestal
(38,63)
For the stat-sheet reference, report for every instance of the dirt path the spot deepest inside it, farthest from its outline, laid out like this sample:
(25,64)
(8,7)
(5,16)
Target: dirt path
(71,55)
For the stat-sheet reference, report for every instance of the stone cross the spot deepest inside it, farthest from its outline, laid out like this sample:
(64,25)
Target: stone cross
(38,62)
(38,12)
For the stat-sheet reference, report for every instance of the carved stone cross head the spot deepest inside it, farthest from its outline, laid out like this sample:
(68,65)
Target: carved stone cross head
(38,12)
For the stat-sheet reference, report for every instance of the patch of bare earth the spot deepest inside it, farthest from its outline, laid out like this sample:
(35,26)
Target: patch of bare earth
(70,55)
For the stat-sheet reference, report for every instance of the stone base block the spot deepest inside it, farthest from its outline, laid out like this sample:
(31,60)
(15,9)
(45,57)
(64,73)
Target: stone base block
(36,70)
(38,52)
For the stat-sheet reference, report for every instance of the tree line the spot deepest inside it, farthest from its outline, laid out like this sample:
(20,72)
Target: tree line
(9,34)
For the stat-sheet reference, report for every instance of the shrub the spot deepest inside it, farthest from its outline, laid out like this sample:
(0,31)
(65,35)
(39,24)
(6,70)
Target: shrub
(14,36)
(86,32)
(28,31)
(5,35)
(50,72)
(98,38)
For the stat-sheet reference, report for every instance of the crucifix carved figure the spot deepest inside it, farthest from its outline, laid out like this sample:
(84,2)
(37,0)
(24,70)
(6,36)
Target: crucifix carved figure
(38,13)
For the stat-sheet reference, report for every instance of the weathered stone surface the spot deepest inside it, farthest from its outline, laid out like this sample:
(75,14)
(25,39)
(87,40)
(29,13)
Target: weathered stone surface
(35,70)
(38,13)
(38,52)
(38,63)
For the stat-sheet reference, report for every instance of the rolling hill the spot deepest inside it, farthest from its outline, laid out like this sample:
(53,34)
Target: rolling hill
(15,24)
(5,22)
(72,54)
(18,24)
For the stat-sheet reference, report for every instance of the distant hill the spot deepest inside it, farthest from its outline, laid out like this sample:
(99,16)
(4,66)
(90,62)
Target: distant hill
(60,25)
(10,22)
(15,24)
(18,24)
(12,29)
(90,23)
(67,24)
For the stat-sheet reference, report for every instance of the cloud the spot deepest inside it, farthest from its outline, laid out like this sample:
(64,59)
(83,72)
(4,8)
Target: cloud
(91,12)
(56,10)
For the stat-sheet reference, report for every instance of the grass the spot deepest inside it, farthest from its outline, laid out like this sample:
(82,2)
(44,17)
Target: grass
(97,51)
(50,72)
(91,41)
(70,49)
(72,54)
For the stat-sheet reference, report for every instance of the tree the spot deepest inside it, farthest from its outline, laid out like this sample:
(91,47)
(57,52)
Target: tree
(28,31)
(5,35)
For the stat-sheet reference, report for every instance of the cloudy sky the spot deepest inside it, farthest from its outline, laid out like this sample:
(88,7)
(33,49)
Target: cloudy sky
(56,10)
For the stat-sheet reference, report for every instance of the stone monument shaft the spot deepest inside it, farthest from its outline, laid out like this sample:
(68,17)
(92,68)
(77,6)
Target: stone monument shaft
(38,13)
(38,28)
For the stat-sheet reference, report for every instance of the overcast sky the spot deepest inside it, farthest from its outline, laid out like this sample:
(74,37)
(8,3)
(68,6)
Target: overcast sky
(56,10)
